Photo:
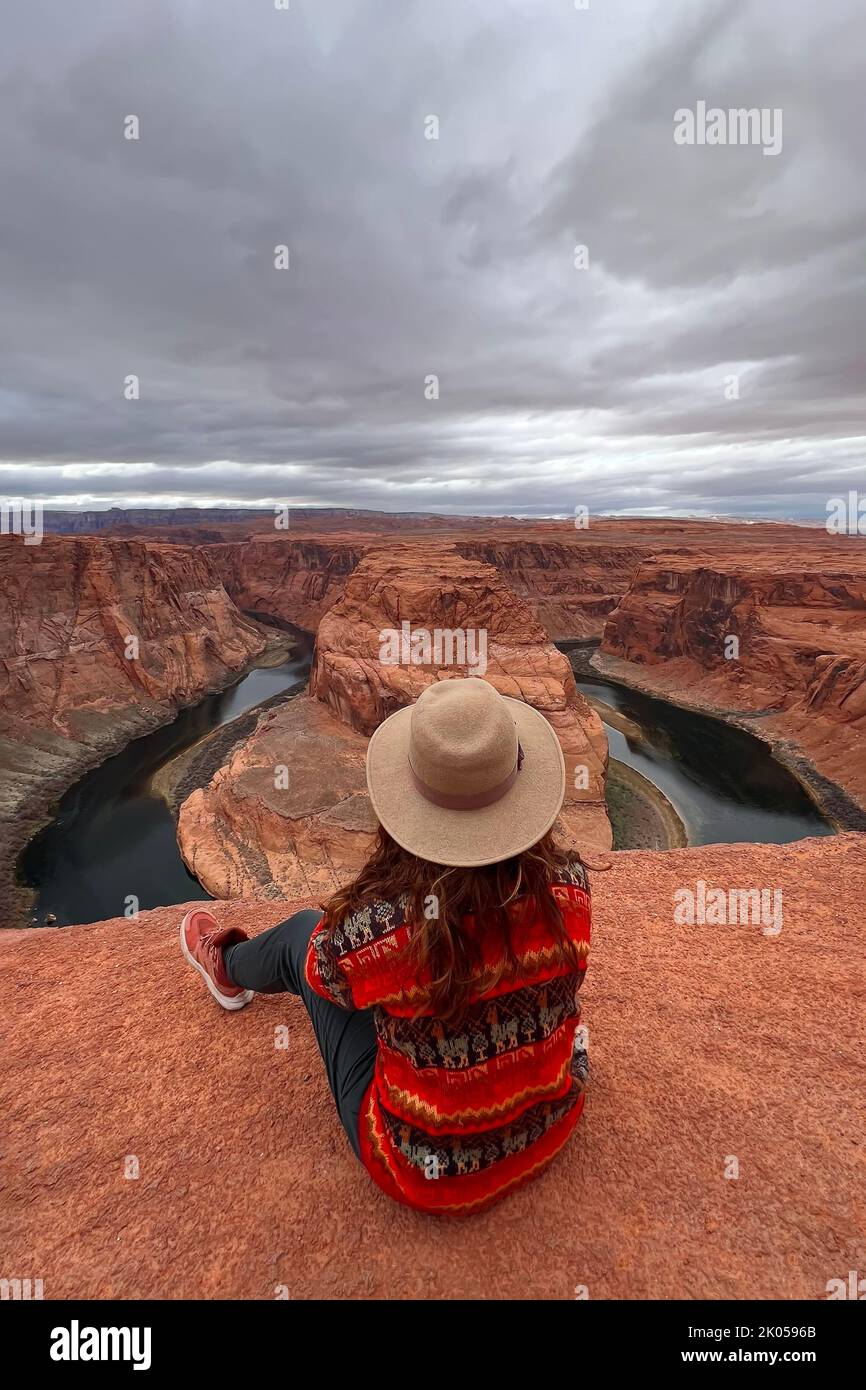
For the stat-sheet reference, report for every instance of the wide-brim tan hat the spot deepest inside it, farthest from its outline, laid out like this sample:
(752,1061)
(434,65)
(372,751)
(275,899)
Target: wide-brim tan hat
(466,776)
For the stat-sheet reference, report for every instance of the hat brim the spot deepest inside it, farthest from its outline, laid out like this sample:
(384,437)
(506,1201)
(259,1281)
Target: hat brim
(467,839)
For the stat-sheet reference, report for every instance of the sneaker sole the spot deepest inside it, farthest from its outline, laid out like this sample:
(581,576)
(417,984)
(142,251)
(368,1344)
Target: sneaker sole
(239,1002)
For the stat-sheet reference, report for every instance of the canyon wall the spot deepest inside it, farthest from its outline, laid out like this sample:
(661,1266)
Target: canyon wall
(288,816)
(72,689)
(799,674)
(571,579)
(571,585)
(290,580)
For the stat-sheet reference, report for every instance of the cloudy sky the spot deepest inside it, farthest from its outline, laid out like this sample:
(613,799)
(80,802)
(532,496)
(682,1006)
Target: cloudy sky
(709,358)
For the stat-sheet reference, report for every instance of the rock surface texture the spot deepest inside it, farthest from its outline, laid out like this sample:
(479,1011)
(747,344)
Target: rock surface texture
(70,695)
(289,812)
(288,816)
(799,672)
(700,1050)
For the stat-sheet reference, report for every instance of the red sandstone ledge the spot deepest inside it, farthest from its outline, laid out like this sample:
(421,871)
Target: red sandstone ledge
(706,1042)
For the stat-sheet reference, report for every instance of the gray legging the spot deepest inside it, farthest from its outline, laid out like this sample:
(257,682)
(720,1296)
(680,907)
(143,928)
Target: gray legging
(273,963)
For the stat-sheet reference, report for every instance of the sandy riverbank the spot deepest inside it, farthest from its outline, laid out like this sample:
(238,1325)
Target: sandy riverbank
(641,815)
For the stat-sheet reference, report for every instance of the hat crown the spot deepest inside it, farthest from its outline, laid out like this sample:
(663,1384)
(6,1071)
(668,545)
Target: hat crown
(463,738)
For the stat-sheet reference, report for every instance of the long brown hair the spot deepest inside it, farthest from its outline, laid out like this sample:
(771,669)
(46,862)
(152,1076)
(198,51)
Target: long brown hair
(445,949)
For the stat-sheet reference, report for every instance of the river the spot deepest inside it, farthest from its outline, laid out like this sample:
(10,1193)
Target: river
(112,845)
(724,784)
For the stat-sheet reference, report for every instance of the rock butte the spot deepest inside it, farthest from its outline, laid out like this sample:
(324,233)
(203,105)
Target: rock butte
(253,831)
(700,1049)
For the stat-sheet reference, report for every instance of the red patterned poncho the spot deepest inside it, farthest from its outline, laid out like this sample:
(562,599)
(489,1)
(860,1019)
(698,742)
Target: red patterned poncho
(458,1114)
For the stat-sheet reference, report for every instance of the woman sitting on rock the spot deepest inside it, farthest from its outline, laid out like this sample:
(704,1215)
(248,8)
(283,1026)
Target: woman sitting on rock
(441,984)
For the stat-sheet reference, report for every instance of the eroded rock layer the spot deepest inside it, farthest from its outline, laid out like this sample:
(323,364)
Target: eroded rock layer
(571,584)
(294,581)
(102,640)
(779,638)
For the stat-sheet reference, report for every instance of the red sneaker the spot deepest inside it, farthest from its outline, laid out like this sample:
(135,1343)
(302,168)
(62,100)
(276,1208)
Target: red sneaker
(202,940)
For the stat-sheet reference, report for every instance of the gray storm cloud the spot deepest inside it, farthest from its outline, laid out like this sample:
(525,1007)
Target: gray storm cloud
(708,358)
